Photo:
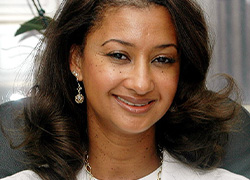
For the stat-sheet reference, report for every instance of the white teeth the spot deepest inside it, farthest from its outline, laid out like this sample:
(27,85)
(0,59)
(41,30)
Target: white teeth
(129,103)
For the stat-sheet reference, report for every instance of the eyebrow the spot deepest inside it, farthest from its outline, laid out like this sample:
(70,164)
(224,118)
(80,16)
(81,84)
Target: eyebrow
(119,41)
(163,46)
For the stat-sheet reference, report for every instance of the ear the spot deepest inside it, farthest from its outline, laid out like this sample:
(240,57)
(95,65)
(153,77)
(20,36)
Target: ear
(75,61)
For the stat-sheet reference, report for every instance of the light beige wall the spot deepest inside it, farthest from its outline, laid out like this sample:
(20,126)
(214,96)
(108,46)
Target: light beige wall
(15,62)
(223,50)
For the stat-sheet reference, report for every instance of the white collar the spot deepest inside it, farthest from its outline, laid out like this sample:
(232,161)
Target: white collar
(173,169)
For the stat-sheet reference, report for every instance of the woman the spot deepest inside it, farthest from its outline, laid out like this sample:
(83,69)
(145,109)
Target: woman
(120,94)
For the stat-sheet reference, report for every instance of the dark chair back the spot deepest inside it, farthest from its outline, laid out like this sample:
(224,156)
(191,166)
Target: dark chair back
(12,160)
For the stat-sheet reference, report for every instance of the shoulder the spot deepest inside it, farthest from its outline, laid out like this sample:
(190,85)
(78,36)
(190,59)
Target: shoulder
(174,169)
(23,175)
(222,174)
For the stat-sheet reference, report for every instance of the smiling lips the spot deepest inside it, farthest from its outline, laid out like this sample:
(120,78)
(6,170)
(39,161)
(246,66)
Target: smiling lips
(135,105)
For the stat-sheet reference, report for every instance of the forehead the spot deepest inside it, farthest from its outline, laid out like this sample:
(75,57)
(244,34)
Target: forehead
(134,22)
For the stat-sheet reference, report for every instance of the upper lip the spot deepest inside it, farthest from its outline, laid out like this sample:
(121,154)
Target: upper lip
(135,100)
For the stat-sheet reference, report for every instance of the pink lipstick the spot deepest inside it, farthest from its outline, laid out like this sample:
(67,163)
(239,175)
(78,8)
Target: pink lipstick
(134,105)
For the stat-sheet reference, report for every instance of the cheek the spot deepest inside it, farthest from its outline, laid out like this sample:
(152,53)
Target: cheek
(99,76)
(168,82)
(168,87)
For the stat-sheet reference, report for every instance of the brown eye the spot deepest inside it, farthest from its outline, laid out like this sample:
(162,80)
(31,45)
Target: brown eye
(118,56)
(163,60)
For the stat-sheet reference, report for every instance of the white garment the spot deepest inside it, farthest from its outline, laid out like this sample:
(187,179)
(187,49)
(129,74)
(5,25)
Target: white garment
(172,169)
(154,175)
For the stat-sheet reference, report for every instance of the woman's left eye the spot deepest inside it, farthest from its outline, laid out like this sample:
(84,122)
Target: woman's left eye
(163,60)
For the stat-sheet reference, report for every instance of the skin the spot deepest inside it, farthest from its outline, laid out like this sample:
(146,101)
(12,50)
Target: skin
(130,71)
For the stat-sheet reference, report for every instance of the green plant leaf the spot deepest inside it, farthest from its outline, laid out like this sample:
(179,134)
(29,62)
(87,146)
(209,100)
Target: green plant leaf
(37,23)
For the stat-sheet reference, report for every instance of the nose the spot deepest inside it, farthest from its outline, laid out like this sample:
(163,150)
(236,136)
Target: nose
(140,79)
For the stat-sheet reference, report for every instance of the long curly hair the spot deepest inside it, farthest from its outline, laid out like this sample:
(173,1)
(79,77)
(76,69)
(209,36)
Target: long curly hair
(195,128)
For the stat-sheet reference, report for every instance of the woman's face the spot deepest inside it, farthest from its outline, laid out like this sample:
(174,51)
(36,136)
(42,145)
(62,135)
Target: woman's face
(130,69)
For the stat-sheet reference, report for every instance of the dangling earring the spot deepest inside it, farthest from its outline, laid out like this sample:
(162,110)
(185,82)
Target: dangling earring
(79,98)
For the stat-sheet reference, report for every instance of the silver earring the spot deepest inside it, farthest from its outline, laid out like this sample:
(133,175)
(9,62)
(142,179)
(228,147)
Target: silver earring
(75,73)
(79,98)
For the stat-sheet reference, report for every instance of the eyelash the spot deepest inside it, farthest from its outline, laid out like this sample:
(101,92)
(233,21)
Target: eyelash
(159,59)
(118,56)
(164,60)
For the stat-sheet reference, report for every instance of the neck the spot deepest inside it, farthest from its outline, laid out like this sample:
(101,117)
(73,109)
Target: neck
(122,156)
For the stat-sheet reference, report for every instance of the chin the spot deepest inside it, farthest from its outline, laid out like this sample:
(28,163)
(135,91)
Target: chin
(135,128)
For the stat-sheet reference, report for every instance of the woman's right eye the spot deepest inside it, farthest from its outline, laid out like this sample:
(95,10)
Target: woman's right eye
(118,56)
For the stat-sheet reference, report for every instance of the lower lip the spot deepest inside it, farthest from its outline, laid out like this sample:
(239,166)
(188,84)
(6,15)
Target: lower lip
(135,109)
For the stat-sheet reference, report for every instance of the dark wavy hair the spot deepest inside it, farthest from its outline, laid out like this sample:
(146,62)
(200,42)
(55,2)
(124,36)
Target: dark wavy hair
(195,128)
